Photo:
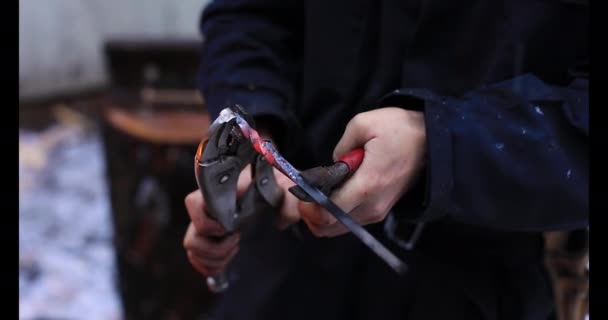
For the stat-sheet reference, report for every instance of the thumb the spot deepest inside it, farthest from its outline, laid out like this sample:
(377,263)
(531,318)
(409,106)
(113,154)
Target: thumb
(356,134)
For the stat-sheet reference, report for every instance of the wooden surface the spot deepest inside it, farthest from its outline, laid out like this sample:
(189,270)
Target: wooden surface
(164,127)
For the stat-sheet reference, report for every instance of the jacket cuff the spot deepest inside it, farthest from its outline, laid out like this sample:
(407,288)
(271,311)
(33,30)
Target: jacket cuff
(429,197)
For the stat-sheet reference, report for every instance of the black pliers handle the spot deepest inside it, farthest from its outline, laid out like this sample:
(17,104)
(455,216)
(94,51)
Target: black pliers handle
(328,178)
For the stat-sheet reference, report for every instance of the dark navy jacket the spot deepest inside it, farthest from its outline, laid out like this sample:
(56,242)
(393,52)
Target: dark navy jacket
(504,89)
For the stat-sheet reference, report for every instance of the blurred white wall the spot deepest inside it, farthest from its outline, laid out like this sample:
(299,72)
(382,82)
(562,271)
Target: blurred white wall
(61,41)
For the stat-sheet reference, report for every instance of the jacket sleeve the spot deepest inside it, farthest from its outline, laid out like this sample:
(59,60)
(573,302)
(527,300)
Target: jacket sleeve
(249,56)
(513,156)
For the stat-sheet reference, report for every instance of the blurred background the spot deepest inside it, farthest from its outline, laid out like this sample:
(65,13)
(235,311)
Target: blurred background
(109,120)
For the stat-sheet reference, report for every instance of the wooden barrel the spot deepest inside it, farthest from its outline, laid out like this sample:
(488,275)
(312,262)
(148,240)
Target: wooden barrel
(152,123)
(150,160)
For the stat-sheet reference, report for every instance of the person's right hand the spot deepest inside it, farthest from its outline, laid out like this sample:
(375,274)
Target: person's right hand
(206,244)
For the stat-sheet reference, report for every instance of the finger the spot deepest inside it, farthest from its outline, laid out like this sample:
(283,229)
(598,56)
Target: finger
(326,230)
(315,214)
(203,224)
(216,263)
(209,268)
(244,181)
(201,267)
(197,264)
(356,134)
(289,213)
(335,230)
(354,198)
(213,261)
(374,210)
(208,248)
(316,230)
(357,190)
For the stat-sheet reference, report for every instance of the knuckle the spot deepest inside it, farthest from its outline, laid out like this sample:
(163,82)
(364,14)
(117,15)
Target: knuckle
(320,220)
(191,199)
(363,191)
(188,199)
(316,230)
(207,266)
(194,260)
(222,250)
(186,243)
(338,232)
(218,263)
(213,271)
(289,211)
(198,224)
(189,241)
(217,251)
(203,269)
(377,214)
(376,181)
(358,121)
(225,261)
(376,217)
(308,211)
(292,217)
(191,260)
(288,219)
(327,220)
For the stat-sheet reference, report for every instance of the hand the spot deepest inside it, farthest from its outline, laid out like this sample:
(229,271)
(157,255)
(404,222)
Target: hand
(207,249)
(394,140)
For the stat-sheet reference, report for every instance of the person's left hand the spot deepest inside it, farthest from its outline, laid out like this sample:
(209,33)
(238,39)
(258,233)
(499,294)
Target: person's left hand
(394,140)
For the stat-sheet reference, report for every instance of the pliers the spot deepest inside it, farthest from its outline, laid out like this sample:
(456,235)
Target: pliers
(225,153)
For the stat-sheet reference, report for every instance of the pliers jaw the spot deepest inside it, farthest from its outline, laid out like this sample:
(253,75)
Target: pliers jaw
(218,164)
